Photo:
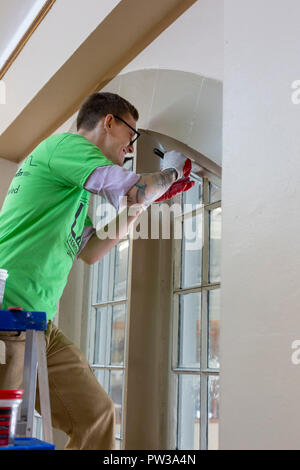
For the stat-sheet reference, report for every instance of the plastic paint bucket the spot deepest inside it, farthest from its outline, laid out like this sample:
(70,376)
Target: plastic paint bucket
(9,405)
(3,277)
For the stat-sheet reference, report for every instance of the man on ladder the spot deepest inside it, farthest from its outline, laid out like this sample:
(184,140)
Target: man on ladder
(44,225)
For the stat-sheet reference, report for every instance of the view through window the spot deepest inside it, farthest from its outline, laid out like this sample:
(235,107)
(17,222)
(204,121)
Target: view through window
(196,316)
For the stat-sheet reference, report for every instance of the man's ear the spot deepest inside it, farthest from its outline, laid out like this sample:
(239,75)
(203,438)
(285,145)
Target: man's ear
(108,120)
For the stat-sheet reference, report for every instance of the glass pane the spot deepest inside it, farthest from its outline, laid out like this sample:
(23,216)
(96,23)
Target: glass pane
(100,375)
(213,412)
(121,270)
(105,274)
(100,341)
(214,193)
(192,197)
(115,393)
(214,305)
(191,251)
(215,244)
(113,274)
(117,337)
(189,330)
(189,412)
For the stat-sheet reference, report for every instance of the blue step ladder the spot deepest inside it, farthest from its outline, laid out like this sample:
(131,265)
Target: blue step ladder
(35,365)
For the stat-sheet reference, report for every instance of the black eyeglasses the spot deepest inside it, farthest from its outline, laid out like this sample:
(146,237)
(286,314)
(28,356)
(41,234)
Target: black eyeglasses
(136,132)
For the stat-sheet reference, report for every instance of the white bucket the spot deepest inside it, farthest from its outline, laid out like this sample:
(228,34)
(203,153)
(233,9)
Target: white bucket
(10,401)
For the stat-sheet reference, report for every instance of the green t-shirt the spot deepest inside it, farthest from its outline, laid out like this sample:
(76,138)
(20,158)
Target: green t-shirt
(42,220)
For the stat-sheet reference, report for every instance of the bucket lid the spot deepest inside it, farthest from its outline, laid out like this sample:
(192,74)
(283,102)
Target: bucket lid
(11,394)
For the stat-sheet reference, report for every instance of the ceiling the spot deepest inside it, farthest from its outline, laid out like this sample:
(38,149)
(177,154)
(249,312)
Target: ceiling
(15,17)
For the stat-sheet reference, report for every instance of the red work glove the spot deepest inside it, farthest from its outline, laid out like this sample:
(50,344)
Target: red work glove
(181,185)
(184,184)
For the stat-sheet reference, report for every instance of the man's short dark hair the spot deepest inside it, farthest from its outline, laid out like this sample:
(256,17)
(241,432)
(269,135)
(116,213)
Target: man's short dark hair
(98,105)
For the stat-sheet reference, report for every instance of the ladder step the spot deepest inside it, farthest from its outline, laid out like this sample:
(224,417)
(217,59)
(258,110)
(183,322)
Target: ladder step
(29,443)
(22,320)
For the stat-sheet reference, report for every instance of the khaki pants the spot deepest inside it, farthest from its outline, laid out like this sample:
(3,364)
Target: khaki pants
(79,404)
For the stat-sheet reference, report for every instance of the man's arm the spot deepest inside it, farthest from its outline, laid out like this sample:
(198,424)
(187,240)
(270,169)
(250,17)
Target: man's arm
(147,189)
(175,167)
(150,187)
(115,182)
(98,246)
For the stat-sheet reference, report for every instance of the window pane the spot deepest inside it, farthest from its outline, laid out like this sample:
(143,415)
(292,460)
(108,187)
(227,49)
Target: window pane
(113,274)
(214,299)
(113,267)
(189,412)
(191,254)
(214,193)
(121,270)
(189,330)
(213,412)
(215,244)
(115,393)
(105,273)
(118,330)
(193,196)
(100,342)
(100,376)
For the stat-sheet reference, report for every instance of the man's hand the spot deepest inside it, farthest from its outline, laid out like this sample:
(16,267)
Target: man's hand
(180,185)
(184,184)
(178,161)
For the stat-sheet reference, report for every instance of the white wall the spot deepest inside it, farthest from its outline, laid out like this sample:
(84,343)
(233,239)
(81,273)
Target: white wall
(260,228)
(194,43)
